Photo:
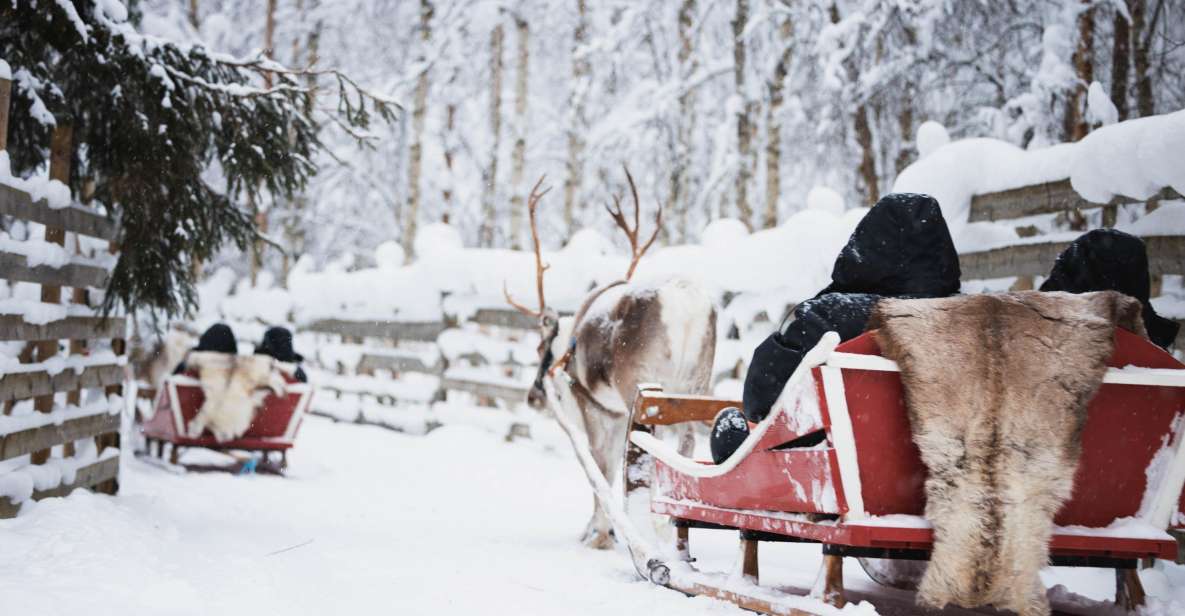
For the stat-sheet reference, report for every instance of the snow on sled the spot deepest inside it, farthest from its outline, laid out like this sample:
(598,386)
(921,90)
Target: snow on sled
(273,428)
(834,463)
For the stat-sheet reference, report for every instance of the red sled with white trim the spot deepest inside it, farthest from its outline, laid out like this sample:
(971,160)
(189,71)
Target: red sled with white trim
(834,463)
(273,428)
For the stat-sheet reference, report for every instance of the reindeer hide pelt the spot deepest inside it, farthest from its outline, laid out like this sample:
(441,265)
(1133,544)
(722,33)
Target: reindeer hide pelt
(997,388)
(233,386)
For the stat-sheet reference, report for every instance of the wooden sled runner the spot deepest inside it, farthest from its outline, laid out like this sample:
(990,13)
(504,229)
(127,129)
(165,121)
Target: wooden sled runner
(274,428)
(834,464)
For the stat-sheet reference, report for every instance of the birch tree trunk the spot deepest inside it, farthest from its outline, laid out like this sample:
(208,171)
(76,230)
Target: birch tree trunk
(773,126)
(680,199)
(416,150)
(1075,119)
(195,18)
(294,233)
(259,210)
(491,180)
(1121,61)
(1143,30)
(576,124)
(867,178)
(744,132)
(520,129)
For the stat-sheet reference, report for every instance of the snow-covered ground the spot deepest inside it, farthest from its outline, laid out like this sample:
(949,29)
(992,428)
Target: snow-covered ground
(370,521)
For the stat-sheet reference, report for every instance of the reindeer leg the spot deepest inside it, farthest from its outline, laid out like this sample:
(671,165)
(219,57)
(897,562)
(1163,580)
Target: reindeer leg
(606,441)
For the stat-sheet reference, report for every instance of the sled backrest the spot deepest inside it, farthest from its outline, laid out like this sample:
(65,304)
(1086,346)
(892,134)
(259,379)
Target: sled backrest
(276,417)
(1130,450)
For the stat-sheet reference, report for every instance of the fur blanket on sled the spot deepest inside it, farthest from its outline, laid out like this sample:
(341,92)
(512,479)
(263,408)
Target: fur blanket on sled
(997,388)
(233,385)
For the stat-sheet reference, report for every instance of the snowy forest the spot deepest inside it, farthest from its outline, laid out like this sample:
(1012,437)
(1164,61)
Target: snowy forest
(720,109)
(578,306)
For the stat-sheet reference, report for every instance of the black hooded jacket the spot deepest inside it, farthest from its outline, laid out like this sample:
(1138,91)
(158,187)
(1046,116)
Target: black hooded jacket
(219,338)
(277,343)
(1110,260)
(902,248)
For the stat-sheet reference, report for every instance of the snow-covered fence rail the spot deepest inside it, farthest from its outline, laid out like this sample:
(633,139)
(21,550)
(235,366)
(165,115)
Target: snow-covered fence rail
(54,439)
(1049,198)
(1166,255)
(393,331)
(1033,256)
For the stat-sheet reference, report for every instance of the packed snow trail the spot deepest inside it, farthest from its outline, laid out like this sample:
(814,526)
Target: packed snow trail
(367,522)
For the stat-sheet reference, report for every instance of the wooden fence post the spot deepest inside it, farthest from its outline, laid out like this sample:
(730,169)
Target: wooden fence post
(59,169)
(5,101)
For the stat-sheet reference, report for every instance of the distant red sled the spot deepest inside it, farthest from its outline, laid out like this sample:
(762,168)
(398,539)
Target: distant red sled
(856,486)
(274,427)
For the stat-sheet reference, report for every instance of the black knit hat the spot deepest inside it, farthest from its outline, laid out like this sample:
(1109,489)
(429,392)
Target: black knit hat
(277,342)
(218,338)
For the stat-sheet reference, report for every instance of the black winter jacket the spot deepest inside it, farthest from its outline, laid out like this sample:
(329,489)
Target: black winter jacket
(902,248)
(1110,260)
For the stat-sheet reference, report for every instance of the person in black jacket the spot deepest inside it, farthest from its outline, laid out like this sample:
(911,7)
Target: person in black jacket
(901,248)
(219,338)
(277,343)
(1110,260)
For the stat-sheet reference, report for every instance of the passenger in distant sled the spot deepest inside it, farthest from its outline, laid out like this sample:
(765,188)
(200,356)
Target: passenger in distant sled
(902,248)
(219,338)
(277,343)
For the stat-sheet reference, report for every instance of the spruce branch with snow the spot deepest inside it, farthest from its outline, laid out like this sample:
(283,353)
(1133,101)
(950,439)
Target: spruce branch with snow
(173,139)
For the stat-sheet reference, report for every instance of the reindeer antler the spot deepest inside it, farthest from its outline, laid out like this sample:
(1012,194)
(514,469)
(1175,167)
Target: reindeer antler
(540,267)
(632,234)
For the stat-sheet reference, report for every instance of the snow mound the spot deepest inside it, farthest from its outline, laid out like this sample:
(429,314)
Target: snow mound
(931,136)
(1135,159)
(437,239)
(825,199)
(389,255)
(724,233)
(588,242)
(1099,108)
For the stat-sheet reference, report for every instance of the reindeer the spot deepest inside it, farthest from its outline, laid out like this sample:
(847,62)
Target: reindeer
(623,334)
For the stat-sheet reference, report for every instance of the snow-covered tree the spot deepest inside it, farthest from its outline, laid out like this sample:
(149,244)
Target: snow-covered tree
(174,138)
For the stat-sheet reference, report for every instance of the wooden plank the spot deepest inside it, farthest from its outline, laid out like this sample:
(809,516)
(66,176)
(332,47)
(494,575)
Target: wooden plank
(1047,198)
(397,363)
(1018,260)
(13,327)
(15,267)
(488,390)
(659,409)
(423,331)
(1166,255)
(86,477)
(24,385)
(18,203)
(5,102)
(42,438)
(504,317)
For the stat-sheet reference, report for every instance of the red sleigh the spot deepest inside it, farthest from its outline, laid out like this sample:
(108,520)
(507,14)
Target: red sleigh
(852,479)
(274,427)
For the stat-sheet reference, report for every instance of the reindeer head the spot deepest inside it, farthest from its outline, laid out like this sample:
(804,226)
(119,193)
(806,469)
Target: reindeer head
(549,322)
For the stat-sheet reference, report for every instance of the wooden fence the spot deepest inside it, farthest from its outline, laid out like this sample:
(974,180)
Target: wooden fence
(91,365)
(1166,253)
(383,349)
